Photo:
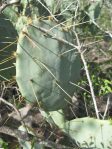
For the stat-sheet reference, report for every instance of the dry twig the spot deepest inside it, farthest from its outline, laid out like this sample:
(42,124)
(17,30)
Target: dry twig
(79,47)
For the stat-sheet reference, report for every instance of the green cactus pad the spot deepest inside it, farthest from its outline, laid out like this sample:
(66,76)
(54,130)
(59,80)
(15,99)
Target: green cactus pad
(90,133)
(43,70)
(7,48)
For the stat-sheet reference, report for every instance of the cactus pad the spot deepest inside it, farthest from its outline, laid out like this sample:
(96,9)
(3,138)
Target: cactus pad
(43,69)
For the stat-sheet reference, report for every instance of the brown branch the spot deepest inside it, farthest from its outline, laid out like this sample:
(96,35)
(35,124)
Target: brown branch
(14,133)
(2,7)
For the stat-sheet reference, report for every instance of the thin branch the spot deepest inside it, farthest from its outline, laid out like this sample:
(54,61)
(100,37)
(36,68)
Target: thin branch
(48,10)
(99,27)
(8,3)
(90,84)
(14,133)
(18,114)
(54,36)
(49,33)
(9,104)
(4,78)
(79,87)
(106,109)
(3,7)
(87,74)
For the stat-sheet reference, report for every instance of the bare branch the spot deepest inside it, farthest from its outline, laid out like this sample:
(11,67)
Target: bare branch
(14,133)
(87,74)
(106,109)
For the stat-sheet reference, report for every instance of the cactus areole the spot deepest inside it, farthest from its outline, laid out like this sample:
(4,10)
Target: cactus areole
(45,65)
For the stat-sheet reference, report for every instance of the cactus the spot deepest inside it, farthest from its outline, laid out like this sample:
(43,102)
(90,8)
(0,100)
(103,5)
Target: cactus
(59,70)
(94,10)
(16,14)
(7,47)
(43,71)
(89,133)
(46,63)
(19,14)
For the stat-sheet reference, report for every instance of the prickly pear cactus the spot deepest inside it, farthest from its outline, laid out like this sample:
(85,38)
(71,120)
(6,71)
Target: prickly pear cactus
(44,68)
(60,11)
(46,64)
(94,10)
(89,133)
(7,47)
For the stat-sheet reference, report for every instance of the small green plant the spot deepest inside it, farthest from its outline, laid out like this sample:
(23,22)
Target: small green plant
(3,144)
(106,87)
(102,85)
